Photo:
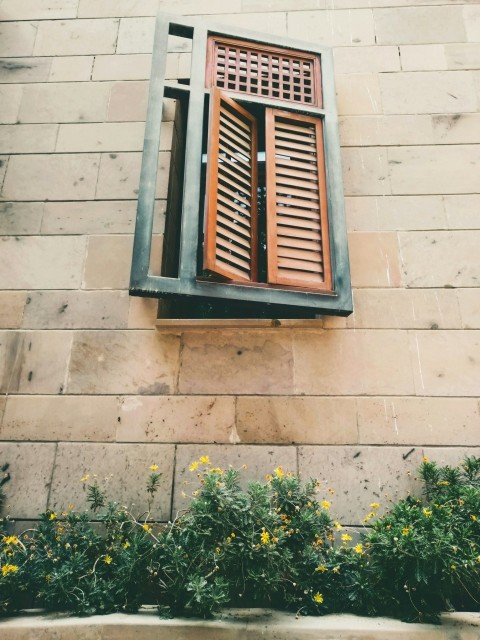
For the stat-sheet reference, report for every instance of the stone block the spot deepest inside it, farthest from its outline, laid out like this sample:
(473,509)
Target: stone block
(291,420)
(122,470)
(236,362)
(176,419)
(392,213)
(51,177)
(117,8)
(418,421)
(456,128)
(19,70)
(34,362)
(204,7)
(452,456)
(65,102)
(12,304)
(405,309)
(462,211)
(76,37)
(122,67)
(108,136)
(277,21)
(367,131)
(3,169)
(135,35)
(108,262)
(76,310)
(31,467)
(448,363)
(423,57)
(419,25)
(38,9)
(124,362)
(281,5)
(28,138)
(128,102)
(365,171)
(259,461)
(67,418)
(41,262)
(469,302)
(71,69)
(375,260)
(440,169)
(428,92)
(20,218)
(142,313)
(344,362)
(119,176)
(333,28)
(424,261)
(10,98)
(471,16)
(349,60)
(360,475)
(463,56)
(17,39)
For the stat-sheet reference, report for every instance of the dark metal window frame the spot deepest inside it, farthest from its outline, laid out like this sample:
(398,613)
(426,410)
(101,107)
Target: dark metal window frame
(142,283)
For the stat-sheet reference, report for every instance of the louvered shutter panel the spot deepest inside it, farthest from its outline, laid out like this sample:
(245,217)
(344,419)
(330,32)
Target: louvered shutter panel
(297,220)
(230,242)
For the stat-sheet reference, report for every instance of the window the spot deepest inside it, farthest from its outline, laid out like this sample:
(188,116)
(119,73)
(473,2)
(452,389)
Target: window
(255,224)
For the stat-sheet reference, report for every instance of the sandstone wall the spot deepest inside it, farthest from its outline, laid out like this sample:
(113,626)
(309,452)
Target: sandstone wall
(87,382)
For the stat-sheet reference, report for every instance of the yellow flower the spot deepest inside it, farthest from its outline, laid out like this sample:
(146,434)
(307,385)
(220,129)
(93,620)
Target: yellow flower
(193,466)
(453,567)
(337,525)
(425,459)
(53,516)
(346,537)
(217,549)
(126,544)
(279,472)
(232,535)
(9,568)
(153,467)
(108,559)
(11,540)
(405,531)
(321,567)
(359,549)
(216,470)
(444,483)
(48,577)
(325,504)
(147,528)
(427,513)
(336,569)
(474,518)
(374,505)
(478,559)
(318,598)
(369,516)
(265,537)
(85,478)
(268,477)
(205,460)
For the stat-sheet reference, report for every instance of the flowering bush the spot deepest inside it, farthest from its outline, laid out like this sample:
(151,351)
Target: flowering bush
(272,544)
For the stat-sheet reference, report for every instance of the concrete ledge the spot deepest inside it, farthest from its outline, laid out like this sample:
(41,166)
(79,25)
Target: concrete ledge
(234,624)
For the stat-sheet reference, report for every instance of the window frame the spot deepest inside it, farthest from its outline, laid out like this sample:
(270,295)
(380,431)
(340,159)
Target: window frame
(142,282)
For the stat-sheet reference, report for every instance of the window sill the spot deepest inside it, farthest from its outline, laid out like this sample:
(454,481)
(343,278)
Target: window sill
(167,324)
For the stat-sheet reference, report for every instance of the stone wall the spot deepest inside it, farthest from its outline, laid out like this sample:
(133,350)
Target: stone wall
(87,382)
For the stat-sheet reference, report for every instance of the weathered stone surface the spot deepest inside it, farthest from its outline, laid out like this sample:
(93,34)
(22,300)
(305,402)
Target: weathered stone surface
(365,171)
(282,5)
(24,69)
(367,131)
(65,102)
(76,37)
(122,67)
(11,308)
(405,309)
(10,98)
(110,136)
(450,456)
(60,418)
(456,128)
(142,313)
(135,35)
(358,94)
(17,38)
(76,310)
(130,362)
(463,56)
(334,29)
(119,175)
(423,258)
(469,302)
(71,69)
(37,9)
(176,419)
(3,169)
(423,57)
(28,138)
(418,421)
(236,362)
(471,15)
(122,469)
(259,461)
(360,475)
(350,60)
(419,25)
(20,218)
(51,177)
(117,8)
(337,362)
(290,420)
(395,213)
(128,102)
(32,466)
(447,364)
(204,7)
(374,259)
(428,92)
(41,262)
(108,262)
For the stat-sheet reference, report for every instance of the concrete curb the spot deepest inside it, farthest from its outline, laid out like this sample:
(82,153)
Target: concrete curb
(234,624)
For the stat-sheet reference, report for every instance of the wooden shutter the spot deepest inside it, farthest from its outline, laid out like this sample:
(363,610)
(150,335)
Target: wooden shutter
(230,242)
(297,221)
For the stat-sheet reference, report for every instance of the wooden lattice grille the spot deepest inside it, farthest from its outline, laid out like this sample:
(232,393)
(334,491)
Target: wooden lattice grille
(297,224)
(230,243)
(280,74)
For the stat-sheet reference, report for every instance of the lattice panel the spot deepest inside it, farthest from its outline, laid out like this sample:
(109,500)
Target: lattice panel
(265,72)
(231,215)
(297,225)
